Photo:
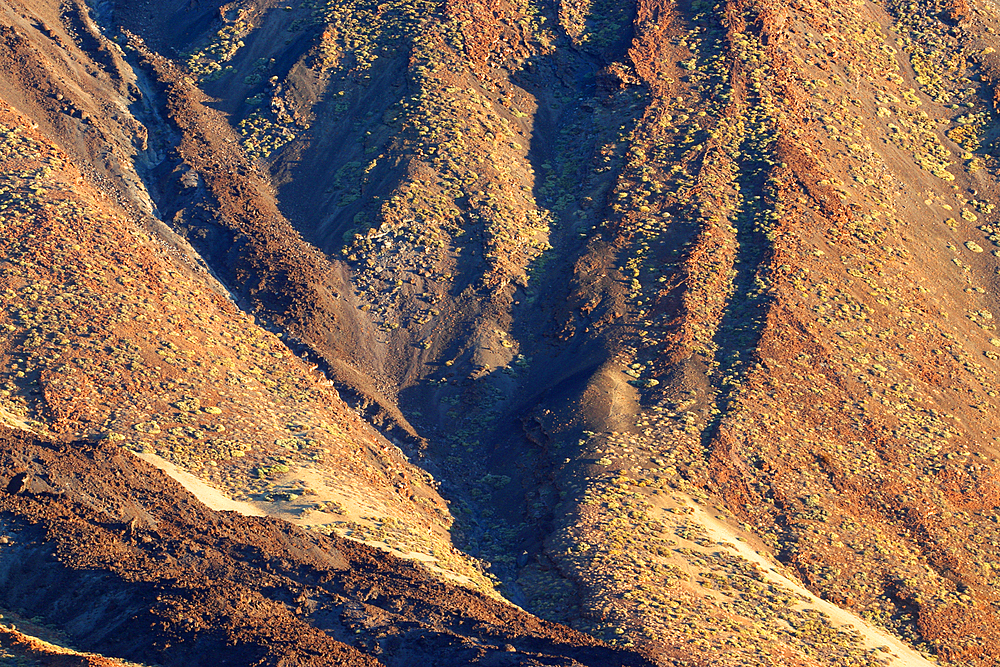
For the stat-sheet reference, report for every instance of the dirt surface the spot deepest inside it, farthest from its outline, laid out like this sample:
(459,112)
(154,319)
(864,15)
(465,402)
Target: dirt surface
(24,643)
(216,500)
(555,298)
(212,498)
(897,652)
(169,581)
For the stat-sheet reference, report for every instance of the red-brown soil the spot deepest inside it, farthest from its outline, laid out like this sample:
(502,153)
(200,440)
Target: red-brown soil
(587,262)
(136,567)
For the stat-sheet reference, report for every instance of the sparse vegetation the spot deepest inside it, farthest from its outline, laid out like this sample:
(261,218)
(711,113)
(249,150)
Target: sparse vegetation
(624,278)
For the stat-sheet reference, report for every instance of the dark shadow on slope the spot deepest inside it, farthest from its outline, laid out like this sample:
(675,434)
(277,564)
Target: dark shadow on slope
(501,443)
(326,182)
(745,315)
(130,564)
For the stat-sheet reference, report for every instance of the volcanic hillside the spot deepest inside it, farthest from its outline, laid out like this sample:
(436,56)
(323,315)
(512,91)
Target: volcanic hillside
(671,323)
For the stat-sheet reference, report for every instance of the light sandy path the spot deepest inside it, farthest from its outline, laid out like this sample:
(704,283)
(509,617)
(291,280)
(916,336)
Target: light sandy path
(217,500)
(9,419)
(900,655)
(212,497)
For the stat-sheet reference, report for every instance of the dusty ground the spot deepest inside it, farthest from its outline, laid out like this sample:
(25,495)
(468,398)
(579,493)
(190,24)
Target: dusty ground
(25,643)
(575,262)
(169,581)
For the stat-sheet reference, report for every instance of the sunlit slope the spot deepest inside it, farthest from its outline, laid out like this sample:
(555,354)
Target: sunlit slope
(108,333)
(596,258)
(822,355)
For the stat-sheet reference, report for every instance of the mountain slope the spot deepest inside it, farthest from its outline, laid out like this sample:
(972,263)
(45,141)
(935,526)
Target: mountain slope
(149,573)
(602,269)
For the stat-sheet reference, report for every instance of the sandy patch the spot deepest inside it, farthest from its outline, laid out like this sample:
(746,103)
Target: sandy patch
(212,497)
(899,654)
(216,500)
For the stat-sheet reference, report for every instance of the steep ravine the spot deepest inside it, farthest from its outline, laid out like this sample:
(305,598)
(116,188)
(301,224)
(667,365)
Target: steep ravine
(501,389)
(729,252)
